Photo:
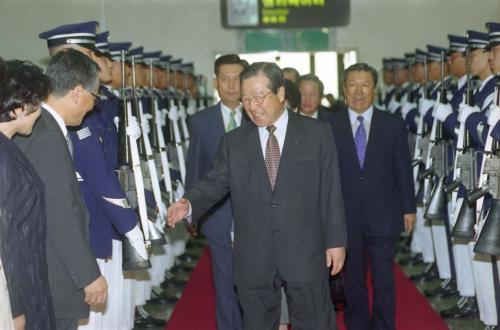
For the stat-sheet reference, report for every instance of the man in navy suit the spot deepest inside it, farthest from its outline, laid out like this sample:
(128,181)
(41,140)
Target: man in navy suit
(206,130)
(377,185)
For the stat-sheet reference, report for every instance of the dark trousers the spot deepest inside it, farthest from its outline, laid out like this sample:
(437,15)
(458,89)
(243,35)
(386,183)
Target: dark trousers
(227,308)
(309,305)
(379,252)
(66,324)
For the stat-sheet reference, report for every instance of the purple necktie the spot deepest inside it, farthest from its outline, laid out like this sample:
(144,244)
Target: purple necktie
(360,141)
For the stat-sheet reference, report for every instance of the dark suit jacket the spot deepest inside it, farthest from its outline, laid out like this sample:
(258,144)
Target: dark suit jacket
(325,115)
(206,131)
(377,196)
(287,230)
(71,264)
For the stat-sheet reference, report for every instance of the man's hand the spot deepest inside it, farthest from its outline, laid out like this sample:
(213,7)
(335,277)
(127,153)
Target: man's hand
(410,220)
(178,211)
(96,292)
(20,322)
(335,257)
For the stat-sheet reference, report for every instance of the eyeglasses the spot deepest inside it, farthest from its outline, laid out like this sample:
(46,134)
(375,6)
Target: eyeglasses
(257,99)
(97,98)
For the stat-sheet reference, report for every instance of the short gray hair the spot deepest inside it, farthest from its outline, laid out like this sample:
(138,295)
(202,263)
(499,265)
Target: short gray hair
(70,68)
(361,67)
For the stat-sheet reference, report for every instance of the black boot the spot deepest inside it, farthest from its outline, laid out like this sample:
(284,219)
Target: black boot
(431,272)
(465,307)
(417,259)
(160,297)
(447,288)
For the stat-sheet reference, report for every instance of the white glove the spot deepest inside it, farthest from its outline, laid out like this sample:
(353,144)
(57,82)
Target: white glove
(160,117)
(116,120)
(441,111)
(393,105)
(494,116)
(173,113)
(145,123)
(137,240)
(182,112)
(133,129)
(406,108)
(425,105)
(464,111)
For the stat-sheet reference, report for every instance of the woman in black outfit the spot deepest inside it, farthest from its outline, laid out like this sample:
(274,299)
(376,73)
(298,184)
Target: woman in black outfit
(22,206)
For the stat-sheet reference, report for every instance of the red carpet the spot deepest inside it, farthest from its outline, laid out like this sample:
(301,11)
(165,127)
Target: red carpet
(196,308)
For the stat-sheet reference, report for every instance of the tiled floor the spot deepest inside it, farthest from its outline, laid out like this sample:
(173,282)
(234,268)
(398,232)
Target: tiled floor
(164,311)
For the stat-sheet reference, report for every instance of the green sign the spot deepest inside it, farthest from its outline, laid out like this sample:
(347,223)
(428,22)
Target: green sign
(302,40)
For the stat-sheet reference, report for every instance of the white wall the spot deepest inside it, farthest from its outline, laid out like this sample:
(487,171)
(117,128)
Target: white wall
(389,28)
(191,29)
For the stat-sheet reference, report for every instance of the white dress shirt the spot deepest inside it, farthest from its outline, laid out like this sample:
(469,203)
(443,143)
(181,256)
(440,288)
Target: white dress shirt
(314,115)
(57,117)
(280,132)
(226,114)
(461,81)
(367,119)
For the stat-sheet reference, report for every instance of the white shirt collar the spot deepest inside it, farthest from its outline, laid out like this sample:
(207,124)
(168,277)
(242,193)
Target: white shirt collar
(226,114)
(314,115)
(461,81)
(485,81)
(367,115)
(57,117)
(280,133)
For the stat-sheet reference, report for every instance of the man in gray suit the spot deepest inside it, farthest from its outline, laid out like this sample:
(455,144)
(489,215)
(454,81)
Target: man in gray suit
(74,277)
(282,173)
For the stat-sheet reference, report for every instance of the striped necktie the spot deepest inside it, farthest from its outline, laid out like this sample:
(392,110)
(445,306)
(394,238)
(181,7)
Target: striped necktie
(232,122)
(272,156)
(360,141)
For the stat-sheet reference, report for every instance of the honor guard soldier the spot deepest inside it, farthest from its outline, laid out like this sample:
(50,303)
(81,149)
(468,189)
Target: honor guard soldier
(426,104)
(448,114)
(401,82)
(111,216)
(388,79)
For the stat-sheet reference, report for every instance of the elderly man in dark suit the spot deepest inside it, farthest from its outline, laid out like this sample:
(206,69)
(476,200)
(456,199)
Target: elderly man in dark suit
(282,173)
(206,130)
(74,277)
(311,90)
(378,191)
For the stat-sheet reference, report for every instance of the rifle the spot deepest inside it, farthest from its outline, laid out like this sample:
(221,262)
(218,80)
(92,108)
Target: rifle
(130,177)
(436,208)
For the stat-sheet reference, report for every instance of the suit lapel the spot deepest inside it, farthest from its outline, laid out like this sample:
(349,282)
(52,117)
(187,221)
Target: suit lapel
(256,158)
(219,128)
(291,148)
(346,133)
(372,137)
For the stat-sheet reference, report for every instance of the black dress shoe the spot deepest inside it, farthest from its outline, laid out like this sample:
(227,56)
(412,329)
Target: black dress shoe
(447,288)
(181,268)
(172,283)
(465,307)
(416,259)
(162,299)
(431,272)
(148,322)
(492,327)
